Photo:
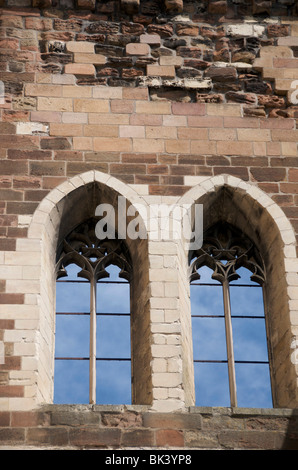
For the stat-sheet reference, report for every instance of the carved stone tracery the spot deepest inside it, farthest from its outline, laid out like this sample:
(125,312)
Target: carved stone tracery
(225,250)
(93,256)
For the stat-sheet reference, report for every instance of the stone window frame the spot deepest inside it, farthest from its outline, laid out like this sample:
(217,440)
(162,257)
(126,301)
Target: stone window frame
(48,225)
(246,206)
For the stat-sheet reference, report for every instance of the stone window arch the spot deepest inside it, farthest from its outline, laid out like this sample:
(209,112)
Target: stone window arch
(252,212)
(63,211)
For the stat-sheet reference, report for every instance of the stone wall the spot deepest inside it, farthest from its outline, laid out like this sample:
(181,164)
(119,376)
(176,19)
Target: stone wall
(136,428)
(162,102)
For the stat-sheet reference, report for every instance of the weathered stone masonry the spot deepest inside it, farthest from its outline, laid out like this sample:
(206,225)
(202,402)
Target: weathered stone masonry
(173,102)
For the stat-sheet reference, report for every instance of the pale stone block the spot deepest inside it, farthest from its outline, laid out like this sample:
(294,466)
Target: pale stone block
(174,365)
(22,404)
(19,312)
(164,274)
(102,92)
(163,303)
(171,316)
(9,272)
(293,293)
(80,46)
(166,328)
(22,286)
(162,248)
(32,128)
(24,349)
(171,289)
(159,339)
(167,406)
(166,379)
(291,265)
(239,30)
(31,272)
(160,393)
(24,220)
(157,289)
(141,189)
(25,244)
(159,365)
(165,351)
(21,258)
(156,316)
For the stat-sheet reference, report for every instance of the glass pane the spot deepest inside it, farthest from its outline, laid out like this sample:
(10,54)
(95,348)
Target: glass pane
(211,384)
(113,298)
(209,340)
(72,296)
(246,301)
(71,382)
(72,336)
(253,385)
(113,336)
(113,382)
(206,300)
(249,338)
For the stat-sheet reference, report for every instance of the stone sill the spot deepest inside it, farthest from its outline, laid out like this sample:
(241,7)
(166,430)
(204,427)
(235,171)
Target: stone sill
(202,410)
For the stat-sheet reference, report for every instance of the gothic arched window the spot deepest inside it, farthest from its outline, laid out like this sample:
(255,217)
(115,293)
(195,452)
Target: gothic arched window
(92,319)
(231,363)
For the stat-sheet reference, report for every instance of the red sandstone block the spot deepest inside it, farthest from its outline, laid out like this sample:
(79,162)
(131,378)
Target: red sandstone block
(255,135)
(285,63)
(153,107)
(80,69)
(91,106)
(93,130)
(293,174)
(45,116)
(188,109)
(177,146)
(82,143)
(38,89)
(169,437)
(237,122)
(112,144)
(138,49)
(284,135)
(203,147)
(146,119)
(11,391)
(192,133)
(135,93)
(9,298)
(161,71)
(66,130)
(277,123)
(122,106)
(205,121)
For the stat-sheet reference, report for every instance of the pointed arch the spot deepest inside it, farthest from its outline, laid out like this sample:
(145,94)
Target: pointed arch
(59,213)
(228,199)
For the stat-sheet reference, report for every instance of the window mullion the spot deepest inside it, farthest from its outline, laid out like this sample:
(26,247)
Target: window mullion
(229,341)
(92,363)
